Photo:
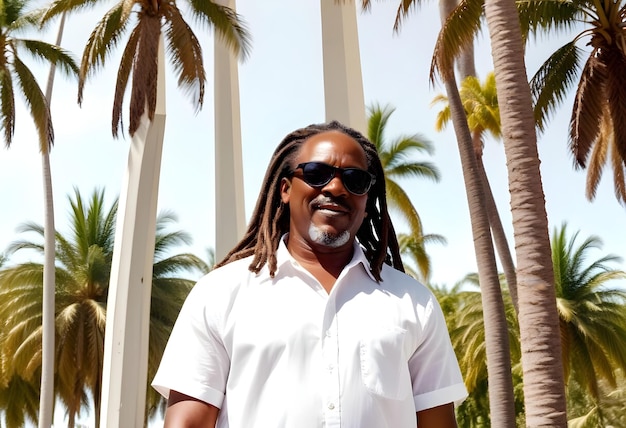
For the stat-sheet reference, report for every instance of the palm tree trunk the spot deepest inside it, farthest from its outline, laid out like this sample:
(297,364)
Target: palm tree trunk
(501,397)
(46,398)
(499,237)
(125,370)
(544,391)
(466,67)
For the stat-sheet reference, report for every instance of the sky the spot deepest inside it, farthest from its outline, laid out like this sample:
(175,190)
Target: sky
(281,89)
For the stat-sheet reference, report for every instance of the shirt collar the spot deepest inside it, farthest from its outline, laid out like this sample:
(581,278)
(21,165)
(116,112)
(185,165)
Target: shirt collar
(358,257)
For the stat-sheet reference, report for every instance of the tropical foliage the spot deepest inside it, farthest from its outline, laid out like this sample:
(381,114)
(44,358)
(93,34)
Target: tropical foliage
(152,19)
(14,71)
(597,125)
(591,299)
(398,159)
(592,315)
(462,305)
(480,102)
(82,282)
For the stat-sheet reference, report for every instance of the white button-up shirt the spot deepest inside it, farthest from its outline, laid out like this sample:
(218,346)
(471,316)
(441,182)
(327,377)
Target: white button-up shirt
(282,352)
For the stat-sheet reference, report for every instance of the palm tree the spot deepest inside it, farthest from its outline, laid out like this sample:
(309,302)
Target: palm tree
(480,102)
(597,127)
(462,307)
(415,247)
(14,19)
(157,23)
(82,279)
(544,391)
(19,400)
(501,386)
(591,312)
(140,58)
(588,412)
(543,376)
(398,163)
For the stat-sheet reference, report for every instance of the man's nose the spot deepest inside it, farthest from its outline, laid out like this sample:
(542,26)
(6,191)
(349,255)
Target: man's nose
(335,186)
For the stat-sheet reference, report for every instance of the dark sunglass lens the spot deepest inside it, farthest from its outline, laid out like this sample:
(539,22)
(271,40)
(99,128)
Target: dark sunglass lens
(357,181)
(317,174)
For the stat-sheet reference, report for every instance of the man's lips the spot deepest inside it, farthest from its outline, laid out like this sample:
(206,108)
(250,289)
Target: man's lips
(331,206)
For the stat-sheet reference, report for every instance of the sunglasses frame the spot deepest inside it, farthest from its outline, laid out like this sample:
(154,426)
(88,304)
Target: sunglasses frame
(335,169)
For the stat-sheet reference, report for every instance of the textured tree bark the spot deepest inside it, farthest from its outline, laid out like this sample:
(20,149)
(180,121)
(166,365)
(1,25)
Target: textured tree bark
(544,390)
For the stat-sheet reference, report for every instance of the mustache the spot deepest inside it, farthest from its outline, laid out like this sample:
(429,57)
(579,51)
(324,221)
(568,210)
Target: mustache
(327,200)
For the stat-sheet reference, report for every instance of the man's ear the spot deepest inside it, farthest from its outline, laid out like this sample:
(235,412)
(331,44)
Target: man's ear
(285,189)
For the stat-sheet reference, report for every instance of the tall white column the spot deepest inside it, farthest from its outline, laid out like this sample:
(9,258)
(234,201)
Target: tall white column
(343,82)
(124,377)
(229,194)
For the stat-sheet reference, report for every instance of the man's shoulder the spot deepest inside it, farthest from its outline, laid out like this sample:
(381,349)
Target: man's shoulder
(227,275)
(400,282)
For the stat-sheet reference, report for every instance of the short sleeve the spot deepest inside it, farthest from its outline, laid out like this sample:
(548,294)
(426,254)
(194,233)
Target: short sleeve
(195,361)
(434,369)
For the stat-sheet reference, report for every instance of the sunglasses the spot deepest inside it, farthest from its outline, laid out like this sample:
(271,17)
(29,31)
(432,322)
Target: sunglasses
(318,174)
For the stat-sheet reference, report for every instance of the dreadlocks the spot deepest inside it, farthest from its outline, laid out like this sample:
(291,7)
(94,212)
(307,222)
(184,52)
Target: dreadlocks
(270,219)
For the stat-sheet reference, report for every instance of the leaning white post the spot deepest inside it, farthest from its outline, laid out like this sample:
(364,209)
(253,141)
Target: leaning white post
(343,82)
(229,194)
(125,371)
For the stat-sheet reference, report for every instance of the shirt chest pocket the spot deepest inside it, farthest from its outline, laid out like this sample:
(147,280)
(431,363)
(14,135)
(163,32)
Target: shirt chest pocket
(384,367)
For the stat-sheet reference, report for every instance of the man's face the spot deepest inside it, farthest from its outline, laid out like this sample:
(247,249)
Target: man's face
(326,217)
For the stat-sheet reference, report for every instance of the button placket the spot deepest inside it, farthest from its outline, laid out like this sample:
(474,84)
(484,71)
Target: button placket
(330,355)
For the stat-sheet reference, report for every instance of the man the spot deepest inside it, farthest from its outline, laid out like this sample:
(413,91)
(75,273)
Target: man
(305,324)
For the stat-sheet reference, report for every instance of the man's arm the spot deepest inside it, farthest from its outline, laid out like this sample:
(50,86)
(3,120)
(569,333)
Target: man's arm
(184,411)
(437,417)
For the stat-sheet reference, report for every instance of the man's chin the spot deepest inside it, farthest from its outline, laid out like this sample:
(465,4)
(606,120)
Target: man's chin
(328,238)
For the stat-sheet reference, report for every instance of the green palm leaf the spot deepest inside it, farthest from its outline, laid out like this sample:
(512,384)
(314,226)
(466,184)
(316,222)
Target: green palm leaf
(551,82)
(398,160)
(593,320)
(82,281)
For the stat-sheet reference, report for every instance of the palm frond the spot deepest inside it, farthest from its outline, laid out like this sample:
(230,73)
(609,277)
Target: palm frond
(378,116)
(619,175)
(598,159)
(615,61)
(186,55)
(551,82)
(59,7)
(458,32)
(444,116)
(400,202)
(81,287)
(102,40)
(121,83)
(547,16)
(591,313)
(7,105)
(143,95)
(588,109)
(23,21)
(37,103)
(403,10)
(229,26)
(54,54)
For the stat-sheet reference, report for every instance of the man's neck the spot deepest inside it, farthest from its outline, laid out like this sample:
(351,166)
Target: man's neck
(325,264)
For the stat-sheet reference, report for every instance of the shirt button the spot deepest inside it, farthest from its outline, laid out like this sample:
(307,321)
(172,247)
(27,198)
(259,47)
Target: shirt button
(331,406)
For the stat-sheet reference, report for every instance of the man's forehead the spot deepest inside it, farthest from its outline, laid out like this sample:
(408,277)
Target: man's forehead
(330,142)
